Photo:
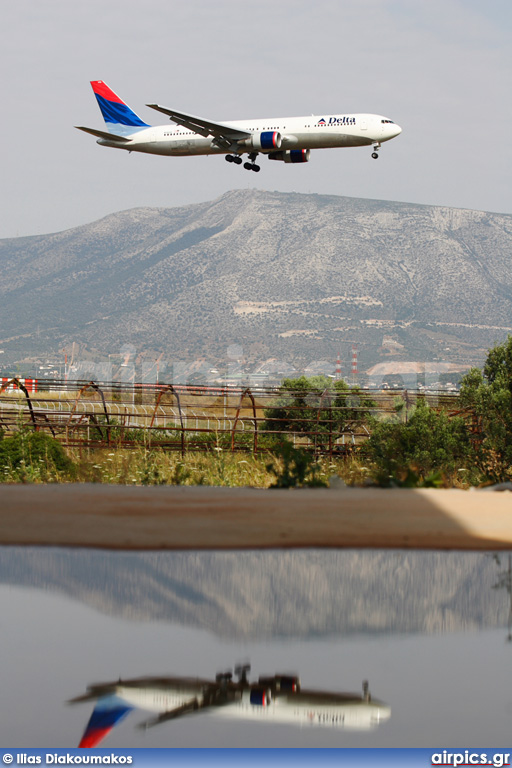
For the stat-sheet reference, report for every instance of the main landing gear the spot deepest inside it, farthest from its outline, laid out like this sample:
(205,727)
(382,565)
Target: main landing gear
(375,153)
(249,166)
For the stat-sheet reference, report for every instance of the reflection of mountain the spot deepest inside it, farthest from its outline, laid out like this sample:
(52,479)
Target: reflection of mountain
(253,594)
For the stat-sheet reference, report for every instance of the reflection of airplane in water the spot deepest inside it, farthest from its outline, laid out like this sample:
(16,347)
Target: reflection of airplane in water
(278,699)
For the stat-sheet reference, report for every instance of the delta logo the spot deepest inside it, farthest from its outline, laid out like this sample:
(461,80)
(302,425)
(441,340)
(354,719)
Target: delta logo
(323,123)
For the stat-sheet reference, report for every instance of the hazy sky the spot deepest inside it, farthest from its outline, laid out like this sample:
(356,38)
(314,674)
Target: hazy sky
(440,68)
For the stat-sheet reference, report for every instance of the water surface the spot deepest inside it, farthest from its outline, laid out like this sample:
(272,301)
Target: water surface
(430,632)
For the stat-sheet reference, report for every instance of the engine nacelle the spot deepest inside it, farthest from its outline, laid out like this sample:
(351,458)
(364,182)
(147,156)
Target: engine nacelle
(265,142)
(291,156)
(258,697)
(282,683)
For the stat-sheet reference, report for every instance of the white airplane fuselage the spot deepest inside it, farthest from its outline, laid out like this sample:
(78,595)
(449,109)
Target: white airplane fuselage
(345,711)
(285,139)
(311,132)
(309,709)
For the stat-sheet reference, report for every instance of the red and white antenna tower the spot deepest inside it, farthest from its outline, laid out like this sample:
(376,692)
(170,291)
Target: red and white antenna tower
(338,367)
(354,364)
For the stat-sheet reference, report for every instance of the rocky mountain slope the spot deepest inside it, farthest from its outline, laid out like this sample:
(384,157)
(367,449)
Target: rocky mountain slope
(294,277)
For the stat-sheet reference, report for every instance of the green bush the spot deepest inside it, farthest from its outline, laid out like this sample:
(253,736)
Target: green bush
(295,468)
(33,456)
(427,450)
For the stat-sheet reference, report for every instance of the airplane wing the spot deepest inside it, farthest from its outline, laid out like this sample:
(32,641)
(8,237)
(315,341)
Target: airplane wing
(215,695)
(171,714)
(104,134)
(224,134)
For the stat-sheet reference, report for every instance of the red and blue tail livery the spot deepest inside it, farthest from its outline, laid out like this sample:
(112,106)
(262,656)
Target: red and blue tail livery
(115,112)
(286,139)
(106,714)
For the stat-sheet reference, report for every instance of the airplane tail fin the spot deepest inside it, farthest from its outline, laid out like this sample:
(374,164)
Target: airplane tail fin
(118,116)
(106,714)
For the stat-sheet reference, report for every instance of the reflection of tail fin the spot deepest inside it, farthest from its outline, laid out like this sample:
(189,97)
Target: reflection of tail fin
(117,115)
(106,714)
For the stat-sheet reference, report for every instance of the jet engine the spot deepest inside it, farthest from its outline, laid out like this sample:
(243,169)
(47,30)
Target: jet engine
(263,142)
(258,697)
(282,683)
(291,156)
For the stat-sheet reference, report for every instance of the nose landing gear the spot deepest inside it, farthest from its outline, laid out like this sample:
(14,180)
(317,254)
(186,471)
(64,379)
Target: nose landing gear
(375,153)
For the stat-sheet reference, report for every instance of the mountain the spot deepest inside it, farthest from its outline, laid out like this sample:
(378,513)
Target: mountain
(287,276)
(270,594)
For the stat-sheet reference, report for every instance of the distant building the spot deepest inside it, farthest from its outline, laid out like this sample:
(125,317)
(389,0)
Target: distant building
(412,373)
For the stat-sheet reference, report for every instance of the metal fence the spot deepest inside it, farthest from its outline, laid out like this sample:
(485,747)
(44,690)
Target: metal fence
(191,418)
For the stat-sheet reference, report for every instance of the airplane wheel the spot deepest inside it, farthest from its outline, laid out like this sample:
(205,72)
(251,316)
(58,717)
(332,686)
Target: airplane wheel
(256,168)
(237,160)
(229,158)
(248,166)
(375,155)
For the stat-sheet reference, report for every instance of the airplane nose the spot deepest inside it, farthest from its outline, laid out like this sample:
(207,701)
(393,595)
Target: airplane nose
(396,130)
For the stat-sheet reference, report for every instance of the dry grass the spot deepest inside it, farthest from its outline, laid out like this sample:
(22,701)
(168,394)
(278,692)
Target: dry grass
(155,467)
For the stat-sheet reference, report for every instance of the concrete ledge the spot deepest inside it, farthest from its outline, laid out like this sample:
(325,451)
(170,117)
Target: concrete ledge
(175,517)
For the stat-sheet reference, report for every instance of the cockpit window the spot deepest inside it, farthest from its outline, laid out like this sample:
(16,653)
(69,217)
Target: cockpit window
(387,121)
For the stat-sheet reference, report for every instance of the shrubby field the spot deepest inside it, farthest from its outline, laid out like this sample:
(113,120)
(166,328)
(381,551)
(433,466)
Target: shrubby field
(430,448)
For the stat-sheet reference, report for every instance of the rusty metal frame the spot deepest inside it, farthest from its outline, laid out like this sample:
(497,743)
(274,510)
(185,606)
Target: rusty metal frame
(23,388)
(246,391)
(170,388)
(69,426)
(91,385)
(47,420)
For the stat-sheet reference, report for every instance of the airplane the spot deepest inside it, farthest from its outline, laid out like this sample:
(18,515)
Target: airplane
(278,699)
(285,139)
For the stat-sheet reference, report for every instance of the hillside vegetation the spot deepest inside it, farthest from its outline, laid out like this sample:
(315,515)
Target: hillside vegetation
(286,276)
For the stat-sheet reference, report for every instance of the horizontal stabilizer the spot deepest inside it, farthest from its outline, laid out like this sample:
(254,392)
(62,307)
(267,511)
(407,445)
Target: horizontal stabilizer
(104,135)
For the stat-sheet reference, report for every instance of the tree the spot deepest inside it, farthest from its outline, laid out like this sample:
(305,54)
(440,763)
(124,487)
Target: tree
(488,394)
(430,443)
(317,406)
